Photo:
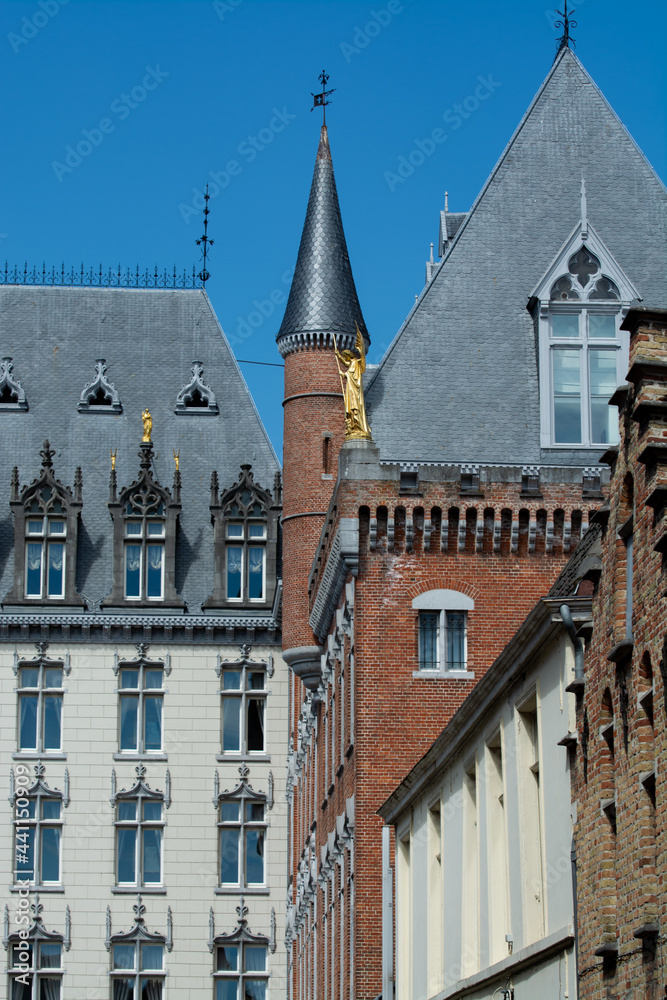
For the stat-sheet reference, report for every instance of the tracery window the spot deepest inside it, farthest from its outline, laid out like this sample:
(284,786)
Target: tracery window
(35,964)
(242,825)
(240,967)
(245,520)
(38,831)
(145,517)
(46,520)
(579,306)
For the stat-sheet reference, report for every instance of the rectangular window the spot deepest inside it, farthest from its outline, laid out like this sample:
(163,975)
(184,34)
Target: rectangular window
(240,972)
(602,380)
(139,828)
(531,819)
(242,833)
(140,708)
(38,830)
(138,971)
(245,566)
(45,557)
(40,696)
(443,640)
(144,560)
(43,981)
(243,709)
(567,396)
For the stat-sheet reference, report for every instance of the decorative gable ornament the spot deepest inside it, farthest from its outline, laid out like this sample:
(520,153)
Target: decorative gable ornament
(139,933)
(37,933)
(196,397)
(240,935)
(100,395)
(12,393)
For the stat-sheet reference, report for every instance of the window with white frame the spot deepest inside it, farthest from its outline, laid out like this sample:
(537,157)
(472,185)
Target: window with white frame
(38,824)
(139,828)
(45,555)
(242,834)
(582,351)
(40,695)
(144,556)
(43,978)
(442,631)
(138,970)
(246,558)
(243,708)
(240,971)
(141,697)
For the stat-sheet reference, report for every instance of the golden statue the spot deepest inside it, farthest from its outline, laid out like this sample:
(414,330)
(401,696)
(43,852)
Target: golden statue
(177,458)
(356,421)
(114,452)
(148,425)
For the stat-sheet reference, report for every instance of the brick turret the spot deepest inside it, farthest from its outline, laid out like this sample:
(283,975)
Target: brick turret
(322,305)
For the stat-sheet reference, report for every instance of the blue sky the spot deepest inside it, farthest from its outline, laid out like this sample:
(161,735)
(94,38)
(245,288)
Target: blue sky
(163,95)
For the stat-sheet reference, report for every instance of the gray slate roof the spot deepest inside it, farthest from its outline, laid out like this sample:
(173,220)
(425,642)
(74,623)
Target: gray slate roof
(149,340)
(323,297)
(459,383)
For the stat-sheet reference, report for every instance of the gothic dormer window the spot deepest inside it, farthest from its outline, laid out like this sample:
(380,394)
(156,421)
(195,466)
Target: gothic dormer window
(579,306)
(196,397)
(240,967)
(145,517)
(12,393)
(100,395)
(138,958)
(36,956)
(46,520)
(242,824)
(245,521)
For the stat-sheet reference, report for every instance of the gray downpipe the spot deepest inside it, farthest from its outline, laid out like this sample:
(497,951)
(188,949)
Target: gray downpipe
(577,642)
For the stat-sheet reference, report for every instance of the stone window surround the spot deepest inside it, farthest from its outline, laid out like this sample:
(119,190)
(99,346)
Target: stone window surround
(139,793)
(442,601)
(242,794)
(40,791)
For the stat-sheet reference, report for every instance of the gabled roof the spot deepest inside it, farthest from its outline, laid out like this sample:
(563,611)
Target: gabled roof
(460,381)
(149,340)
(323,298)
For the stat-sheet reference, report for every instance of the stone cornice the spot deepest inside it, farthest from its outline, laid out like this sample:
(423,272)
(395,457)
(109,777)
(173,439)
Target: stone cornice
(198,629)
(342,560)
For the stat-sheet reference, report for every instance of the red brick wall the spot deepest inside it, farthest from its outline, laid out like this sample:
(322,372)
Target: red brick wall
(622,874)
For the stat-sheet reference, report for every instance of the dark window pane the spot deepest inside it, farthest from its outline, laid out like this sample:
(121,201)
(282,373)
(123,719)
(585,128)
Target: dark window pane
(153,723)
(50,854)
(50,808)
(227,959)
(133,571)
(234,563)
(33,569)
(52,708)
(456,638)
(255,724)
(128,722)
(254,857)
(255,573)
(25,854)
(231,724)
(123,956)
(226,989)
(152,867)
(127,839)
(56,575)
(127,810)
(229,856)
(428,640)
(153,811)
(28,722)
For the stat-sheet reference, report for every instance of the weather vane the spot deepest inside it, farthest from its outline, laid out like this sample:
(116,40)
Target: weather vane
(320,100)
(204,241)
(564,41)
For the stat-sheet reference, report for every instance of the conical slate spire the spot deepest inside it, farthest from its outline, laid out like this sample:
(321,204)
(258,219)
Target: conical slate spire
(322,299)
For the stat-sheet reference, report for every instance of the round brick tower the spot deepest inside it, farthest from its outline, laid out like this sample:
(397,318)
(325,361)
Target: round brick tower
(322,304)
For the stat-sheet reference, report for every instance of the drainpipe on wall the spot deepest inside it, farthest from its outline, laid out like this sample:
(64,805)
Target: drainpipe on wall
(579,682)
(387,917)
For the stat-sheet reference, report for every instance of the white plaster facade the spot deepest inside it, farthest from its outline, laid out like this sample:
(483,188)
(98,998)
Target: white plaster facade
(191,753)
(483,834)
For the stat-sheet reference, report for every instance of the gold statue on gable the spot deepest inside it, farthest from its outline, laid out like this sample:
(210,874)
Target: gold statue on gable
(148,425)
(351,377)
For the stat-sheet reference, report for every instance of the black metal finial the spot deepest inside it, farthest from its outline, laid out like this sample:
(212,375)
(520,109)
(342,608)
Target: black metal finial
(320,100)
(567,23)
(205,242)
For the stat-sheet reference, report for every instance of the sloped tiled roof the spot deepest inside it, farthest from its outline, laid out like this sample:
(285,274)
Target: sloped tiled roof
(460,381)
(149,340)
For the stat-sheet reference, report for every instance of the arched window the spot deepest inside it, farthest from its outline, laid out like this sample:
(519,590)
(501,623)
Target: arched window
(579,305)
(442,626)
(46,521)
(246,521)
(145,517)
